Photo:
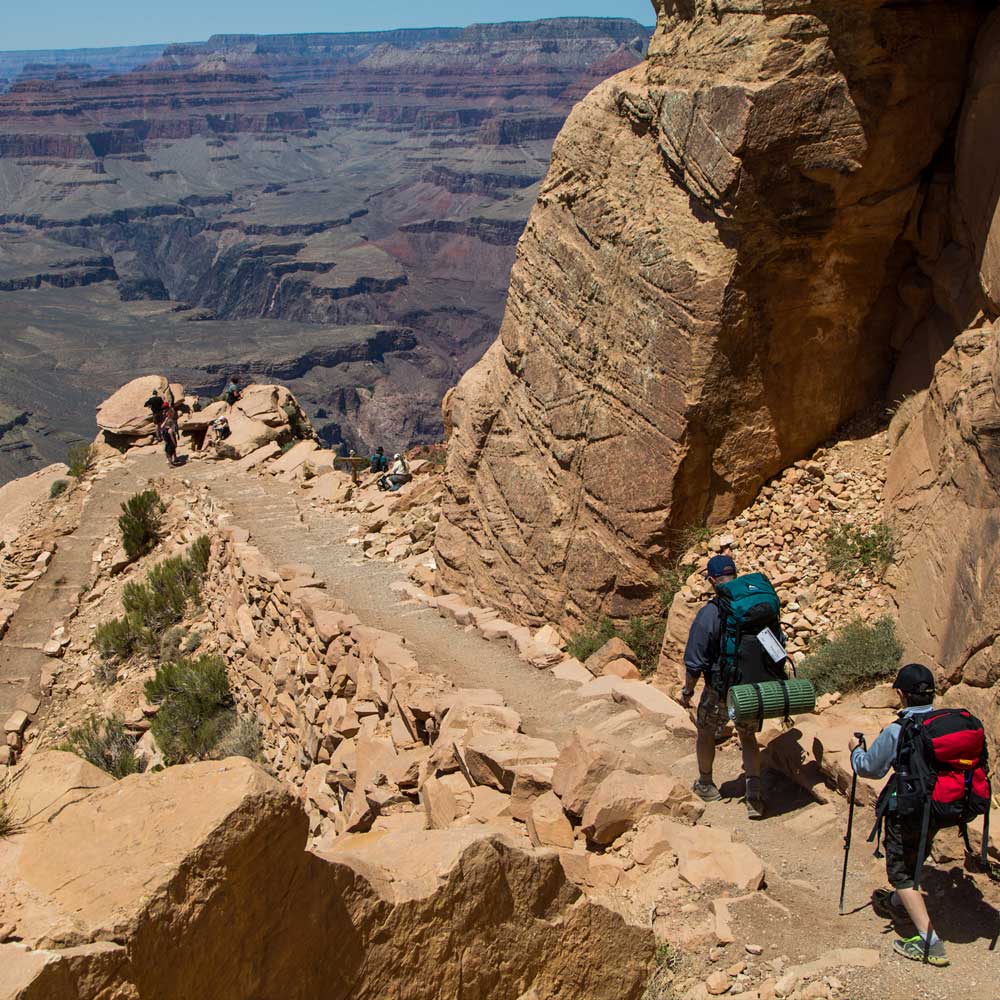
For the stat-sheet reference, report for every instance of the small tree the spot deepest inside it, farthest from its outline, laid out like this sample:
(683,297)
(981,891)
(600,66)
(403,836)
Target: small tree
(141,523)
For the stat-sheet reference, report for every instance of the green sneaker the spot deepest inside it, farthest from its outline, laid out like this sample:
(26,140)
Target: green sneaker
(916,950)
(706,791)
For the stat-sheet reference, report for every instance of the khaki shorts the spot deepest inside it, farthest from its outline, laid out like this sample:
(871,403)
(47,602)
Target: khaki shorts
(712,714)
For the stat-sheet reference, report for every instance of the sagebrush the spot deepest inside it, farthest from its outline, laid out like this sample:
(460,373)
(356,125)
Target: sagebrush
(243,739)
(106,744)
(859,656)
(58,488)
(141,523)
(196,707)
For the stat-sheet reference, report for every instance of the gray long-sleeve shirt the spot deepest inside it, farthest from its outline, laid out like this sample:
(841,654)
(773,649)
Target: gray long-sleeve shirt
(702,649)
(881,755)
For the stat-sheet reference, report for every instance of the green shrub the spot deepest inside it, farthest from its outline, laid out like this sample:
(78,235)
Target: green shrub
(141,523)
(115,640)
(106,744)
(644,636)
(154,606)
(58,488)
(849,549)
(859,656)
(171,643)
(80,459)
(590,640)
(242,739)
(196,707)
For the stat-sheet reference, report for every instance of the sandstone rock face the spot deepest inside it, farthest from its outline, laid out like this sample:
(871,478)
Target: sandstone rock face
(978,161)
(20,496)
(163,885)
(944,486)
(696,299)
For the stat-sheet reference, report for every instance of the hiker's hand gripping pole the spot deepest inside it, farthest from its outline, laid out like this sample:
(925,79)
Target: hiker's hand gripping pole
(860,737)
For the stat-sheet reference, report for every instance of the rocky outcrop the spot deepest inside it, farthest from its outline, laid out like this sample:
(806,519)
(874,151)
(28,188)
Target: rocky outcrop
(164,885)
(944,487)
(700,296)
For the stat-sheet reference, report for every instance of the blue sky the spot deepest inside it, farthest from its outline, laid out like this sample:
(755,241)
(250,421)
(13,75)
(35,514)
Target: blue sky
(80,24)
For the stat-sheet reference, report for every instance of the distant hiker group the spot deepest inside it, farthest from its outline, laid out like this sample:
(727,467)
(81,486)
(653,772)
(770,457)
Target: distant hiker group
(392,476)
(938,757)
(164,413)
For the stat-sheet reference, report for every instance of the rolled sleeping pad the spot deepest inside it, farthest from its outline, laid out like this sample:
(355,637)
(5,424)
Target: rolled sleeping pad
(770,700)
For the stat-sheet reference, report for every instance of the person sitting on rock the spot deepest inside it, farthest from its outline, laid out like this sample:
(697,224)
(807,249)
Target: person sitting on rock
(399,473)
(218,431)
(232,392)
(156,406)
(701,657)
(914,685)
(379,462)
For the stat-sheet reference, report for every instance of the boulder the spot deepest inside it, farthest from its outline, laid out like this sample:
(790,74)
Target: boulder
(162,885)
(547,823)
(622,799)
(625,669)
(493,758)
(670,284)
(613,649)
(123,414)
(704,854)
(583,763)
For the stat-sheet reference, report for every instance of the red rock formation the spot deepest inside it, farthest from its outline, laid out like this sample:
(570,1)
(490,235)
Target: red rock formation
(698,298)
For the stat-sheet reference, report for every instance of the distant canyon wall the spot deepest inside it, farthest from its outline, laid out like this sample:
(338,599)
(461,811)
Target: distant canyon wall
(740,243)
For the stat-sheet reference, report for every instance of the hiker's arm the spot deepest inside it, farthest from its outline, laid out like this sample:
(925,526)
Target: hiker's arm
(698,651)
(879,757)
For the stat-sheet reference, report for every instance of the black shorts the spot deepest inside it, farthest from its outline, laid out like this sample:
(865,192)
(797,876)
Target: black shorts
(901,841)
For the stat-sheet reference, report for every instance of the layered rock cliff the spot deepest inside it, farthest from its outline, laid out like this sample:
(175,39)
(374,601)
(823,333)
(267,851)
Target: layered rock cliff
(736,242)
(309,188)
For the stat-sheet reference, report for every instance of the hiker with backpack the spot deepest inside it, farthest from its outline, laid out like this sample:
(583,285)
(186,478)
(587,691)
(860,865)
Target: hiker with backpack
(725,648)
(940,778)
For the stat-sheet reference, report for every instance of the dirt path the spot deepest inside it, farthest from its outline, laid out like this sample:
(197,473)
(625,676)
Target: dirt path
(53,596)
(797,917)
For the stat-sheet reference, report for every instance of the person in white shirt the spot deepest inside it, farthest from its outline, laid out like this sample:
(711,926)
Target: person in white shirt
(399,473)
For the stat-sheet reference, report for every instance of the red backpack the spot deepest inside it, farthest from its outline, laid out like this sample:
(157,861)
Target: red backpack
(942,770)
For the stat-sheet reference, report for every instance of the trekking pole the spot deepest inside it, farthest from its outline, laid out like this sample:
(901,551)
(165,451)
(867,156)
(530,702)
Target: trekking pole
(860,737)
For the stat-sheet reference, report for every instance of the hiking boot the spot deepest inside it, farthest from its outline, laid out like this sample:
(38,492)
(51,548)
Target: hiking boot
(914,948)
(706,791)
(883,905)
(754,799)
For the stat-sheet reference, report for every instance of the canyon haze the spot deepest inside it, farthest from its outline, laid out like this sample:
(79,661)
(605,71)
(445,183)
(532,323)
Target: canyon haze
(335,212)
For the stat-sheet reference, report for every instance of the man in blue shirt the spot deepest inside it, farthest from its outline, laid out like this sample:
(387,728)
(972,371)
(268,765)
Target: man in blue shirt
(915,686)
(700,655)
(378,461)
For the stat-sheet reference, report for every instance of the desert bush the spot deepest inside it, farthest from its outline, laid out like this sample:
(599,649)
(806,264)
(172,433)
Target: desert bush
(859,656)
(141,523)
(115,639)
(58,488)
(106,744)
(196,707)
(80,459)
(171,643)
(850,549)
(590,639)
(644,636)
(243,739)
(154,606)
(9,825)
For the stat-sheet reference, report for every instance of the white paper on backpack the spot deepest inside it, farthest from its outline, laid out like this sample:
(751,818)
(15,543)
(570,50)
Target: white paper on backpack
(772,647)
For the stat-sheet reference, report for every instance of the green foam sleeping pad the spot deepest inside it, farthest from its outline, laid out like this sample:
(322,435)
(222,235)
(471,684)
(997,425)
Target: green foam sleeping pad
(770,700)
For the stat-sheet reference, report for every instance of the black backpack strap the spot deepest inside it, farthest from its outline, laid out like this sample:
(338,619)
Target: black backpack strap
(922,849)
(881,808)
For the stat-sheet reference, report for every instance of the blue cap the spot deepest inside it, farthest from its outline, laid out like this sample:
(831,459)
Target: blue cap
(721,566)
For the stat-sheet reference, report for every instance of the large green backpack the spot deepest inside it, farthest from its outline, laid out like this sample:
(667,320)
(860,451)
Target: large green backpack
(747,606)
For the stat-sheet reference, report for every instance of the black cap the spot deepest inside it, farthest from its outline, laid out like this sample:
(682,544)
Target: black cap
(914,678)
(720,566)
